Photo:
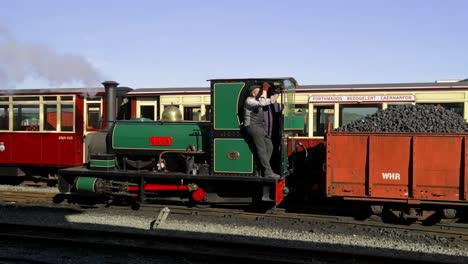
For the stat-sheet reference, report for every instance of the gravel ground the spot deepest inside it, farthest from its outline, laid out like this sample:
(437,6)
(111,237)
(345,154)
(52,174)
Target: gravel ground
(308,235)
(28,188)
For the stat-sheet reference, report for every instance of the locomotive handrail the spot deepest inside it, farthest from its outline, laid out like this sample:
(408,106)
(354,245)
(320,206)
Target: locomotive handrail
(181,152)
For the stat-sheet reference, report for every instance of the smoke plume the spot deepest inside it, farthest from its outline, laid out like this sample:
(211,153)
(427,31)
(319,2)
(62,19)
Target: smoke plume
(19,61)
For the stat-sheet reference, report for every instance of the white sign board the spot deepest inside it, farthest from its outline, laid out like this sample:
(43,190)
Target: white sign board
(361,98)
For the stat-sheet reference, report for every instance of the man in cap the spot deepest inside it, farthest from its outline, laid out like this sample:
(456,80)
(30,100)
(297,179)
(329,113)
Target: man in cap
(254,124)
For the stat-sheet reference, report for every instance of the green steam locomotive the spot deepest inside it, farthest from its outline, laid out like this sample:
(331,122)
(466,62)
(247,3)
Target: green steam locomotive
(200,162)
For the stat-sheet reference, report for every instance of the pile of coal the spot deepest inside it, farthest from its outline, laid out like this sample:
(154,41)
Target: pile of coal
(410,118)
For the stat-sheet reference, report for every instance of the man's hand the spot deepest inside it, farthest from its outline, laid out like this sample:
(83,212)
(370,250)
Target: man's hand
(266,86)
(274,98)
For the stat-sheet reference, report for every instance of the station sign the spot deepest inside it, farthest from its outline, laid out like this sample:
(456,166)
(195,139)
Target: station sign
(362,98)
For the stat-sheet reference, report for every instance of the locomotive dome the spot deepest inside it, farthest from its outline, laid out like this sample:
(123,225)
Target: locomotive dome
(171,114)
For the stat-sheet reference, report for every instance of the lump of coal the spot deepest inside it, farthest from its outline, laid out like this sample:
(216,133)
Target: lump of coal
(410,118)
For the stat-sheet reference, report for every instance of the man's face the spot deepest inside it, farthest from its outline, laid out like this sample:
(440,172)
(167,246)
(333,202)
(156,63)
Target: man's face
(255,92)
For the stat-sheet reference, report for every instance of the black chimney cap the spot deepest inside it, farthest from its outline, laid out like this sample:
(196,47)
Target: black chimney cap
(110,83)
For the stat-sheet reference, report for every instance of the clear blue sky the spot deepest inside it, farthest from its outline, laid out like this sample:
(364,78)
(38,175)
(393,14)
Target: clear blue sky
(177,43)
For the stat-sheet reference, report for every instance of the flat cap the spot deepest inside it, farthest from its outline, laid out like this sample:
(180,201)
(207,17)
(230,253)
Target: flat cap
(253,87)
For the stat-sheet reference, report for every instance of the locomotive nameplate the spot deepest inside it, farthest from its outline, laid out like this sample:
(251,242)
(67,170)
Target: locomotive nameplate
(161,141)
(233,155)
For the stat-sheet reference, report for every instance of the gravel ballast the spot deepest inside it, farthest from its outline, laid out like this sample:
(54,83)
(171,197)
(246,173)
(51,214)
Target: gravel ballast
(16,188)
(299,235)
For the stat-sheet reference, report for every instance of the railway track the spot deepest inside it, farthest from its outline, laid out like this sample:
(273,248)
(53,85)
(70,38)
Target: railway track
(192,246)
(288,219)
(452,230)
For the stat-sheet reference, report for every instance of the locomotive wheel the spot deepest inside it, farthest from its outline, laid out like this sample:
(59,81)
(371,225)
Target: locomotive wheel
(63,185)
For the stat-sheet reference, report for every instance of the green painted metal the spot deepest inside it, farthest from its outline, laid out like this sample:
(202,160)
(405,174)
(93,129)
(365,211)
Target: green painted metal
(226,151)
(226,99)
(137,135)
(85,184)
(102,163)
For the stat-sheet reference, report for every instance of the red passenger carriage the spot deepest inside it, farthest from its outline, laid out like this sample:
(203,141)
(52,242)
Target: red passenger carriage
(43,130)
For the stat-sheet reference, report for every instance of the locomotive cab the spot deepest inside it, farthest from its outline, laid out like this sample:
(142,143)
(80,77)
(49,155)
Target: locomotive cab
(228,100)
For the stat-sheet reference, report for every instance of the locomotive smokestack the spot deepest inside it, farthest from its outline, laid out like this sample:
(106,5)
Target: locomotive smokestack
(111,94)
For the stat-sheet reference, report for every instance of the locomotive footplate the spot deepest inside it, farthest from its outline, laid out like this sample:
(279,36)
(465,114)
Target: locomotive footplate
(148,186)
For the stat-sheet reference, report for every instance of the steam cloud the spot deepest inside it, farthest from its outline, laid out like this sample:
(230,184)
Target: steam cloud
(19,61)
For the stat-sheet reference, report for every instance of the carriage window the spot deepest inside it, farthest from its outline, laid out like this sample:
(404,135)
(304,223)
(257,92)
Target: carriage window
(26,117)
(49,98)
(66,98)
(67,117)
(192,113)
(93,121)
(4,117)
(147,111)
(50,117)
(324,116)
(303,110)
(455,107)
(351,113)
(28,98)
